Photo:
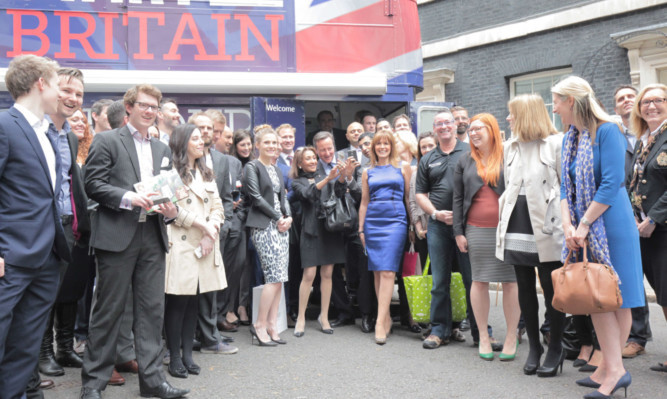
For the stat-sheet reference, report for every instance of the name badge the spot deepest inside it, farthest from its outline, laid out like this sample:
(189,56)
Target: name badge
(433,165)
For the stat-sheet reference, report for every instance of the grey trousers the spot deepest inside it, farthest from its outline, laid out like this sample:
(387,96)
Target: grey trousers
(140,268)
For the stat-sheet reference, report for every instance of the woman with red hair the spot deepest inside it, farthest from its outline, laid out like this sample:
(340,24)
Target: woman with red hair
(478,183)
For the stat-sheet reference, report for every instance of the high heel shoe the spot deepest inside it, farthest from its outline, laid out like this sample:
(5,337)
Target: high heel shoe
(485,356)
(324,330)
(380,340)
(177,370)
(533,362)
(279,341)
(508,358)
(587,382)
(623,382)
(581,362)
(551,371)
(193,369)
(253,335)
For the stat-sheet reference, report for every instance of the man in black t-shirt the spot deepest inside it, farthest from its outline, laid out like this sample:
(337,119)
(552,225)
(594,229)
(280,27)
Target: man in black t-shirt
(434,193)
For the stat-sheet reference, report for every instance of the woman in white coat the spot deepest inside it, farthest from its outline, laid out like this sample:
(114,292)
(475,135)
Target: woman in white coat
(194,261)
(530,232)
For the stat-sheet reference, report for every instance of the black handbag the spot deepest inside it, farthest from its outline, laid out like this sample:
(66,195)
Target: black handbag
(340,215)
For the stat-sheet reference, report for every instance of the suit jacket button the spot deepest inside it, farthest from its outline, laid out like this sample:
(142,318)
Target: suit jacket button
(189,201)
(207,218)
(553,219)
(183,237)
(644,181)
(205,199)
(544,182)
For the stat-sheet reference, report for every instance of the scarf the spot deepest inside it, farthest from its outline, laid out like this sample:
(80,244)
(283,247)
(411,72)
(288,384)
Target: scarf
(580,193)
(638,171)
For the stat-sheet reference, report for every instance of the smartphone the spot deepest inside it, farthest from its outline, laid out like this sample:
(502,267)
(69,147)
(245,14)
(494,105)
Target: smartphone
(160,200)
(198,252)
(236,195)
(352,154)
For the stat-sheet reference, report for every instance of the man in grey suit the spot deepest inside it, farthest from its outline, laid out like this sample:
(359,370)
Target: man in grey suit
(130,247)
(211,340)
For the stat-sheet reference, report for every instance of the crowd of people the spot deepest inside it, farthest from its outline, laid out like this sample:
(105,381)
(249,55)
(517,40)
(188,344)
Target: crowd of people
(125,283)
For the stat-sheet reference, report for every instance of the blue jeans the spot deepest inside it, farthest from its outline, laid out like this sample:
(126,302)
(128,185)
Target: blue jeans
(442,251)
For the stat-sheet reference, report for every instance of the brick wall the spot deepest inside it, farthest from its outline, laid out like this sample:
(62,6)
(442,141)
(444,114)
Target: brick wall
(481,80)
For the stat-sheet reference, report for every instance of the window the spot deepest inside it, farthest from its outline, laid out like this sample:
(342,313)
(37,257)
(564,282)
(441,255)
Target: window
(540,83)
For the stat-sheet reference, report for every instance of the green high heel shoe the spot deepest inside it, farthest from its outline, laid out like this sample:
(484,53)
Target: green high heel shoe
(508,358)
(486,356)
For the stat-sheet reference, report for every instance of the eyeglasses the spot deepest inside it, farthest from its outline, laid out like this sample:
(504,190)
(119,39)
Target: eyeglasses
(145,106)
(476,129)
(656,101)
(443,124)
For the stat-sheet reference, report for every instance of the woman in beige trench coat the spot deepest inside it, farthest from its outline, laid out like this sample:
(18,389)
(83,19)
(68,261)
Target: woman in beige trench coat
(194,262)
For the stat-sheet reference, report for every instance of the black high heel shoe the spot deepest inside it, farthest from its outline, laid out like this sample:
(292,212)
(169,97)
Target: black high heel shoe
(533,362)
(193,369)
(177,370)
(623,382)
(324,330)
(253,336)
(581,362)
(551,371)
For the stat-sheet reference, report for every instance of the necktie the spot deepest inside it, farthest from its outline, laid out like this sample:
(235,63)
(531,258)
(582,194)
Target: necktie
(289,160)
(52,135)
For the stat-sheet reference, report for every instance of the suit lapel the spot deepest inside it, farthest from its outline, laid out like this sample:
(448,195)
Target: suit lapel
(128,141)
(660,140)
(157,156)
(73,142)
(31,135)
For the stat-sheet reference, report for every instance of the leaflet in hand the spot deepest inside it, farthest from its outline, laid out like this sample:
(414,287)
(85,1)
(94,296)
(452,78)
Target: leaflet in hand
(165,187)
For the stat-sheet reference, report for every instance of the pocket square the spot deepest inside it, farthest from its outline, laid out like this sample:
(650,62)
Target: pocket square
(165,162)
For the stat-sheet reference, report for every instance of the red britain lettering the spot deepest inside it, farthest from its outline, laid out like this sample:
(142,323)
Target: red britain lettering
(19,32)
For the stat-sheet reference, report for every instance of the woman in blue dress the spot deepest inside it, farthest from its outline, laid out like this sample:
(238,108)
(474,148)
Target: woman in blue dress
(383,223)
(596,212)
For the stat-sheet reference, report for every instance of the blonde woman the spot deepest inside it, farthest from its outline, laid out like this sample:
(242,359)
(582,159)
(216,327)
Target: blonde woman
(406,147)
(596,211)
(529,233)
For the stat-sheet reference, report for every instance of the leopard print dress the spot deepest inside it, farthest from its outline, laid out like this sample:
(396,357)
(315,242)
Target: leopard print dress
(272,246)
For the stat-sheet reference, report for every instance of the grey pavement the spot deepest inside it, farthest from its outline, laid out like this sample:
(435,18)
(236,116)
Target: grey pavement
(348,364)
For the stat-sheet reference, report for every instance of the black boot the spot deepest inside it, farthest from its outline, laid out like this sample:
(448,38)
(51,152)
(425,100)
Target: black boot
(555,354)
(47,363)
(525,277)
(65,317)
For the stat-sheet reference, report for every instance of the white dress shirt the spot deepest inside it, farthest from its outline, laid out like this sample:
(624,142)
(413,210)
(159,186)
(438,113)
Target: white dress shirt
(40,128)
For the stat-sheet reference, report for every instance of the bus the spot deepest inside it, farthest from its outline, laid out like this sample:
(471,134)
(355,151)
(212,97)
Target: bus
(258,61)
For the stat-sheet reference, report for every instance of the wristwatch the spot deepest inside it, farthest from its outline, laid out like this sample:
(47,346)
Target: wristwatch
(585,221)
(650,221)
(433,214)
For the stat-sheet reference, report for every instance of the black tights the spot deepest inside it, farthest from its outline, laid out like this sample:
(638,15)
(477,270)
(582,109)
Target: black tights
(180,321)
(525,278)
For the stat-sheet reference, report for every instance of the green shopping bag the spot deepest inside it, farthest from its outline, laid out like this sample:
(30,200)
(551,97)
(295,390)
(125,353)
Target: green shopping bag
(418,291)
(457,293)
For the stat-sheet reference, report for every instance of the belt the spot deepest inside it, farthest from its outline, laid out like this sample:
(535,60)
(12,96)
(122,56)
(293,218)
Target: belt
(66,219)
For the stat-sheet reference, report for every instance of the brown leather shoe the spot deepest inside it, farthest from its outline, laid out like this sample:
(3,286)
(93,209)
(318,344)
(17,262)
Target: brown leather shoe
(224,325)
(128,367)
(116,378)
(46,384)
(632,349)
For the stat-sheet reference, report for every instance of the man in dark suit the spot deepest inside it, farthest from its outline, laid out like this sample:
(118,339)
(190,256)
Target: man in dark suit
(326,122)
(73,207)
(130,247)
(358,279)
(211,340)
(32,240)
(640,333)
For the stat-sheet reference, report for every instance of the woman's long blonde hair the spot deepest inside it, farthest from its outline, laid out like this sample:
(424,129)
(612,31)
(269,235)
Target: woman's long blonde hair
(587,111)
(531,118)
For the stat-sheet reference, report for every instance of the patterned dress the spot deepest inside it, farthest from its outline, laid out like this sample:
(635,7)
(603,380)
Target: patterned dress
(272,246)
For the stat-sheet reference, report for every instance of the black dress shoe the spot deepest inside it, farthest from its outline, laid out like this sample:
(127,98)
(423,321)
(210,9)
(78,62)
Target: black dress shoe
(367,324)
(224,325)
(164,391)
(90,393)
(465,325)
(49,366)
(46,384)
(342,321)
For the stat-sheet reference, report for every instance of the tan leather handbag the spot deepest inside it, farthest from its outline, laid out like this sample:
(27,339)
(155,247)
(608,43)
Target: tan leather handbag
(583,287)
